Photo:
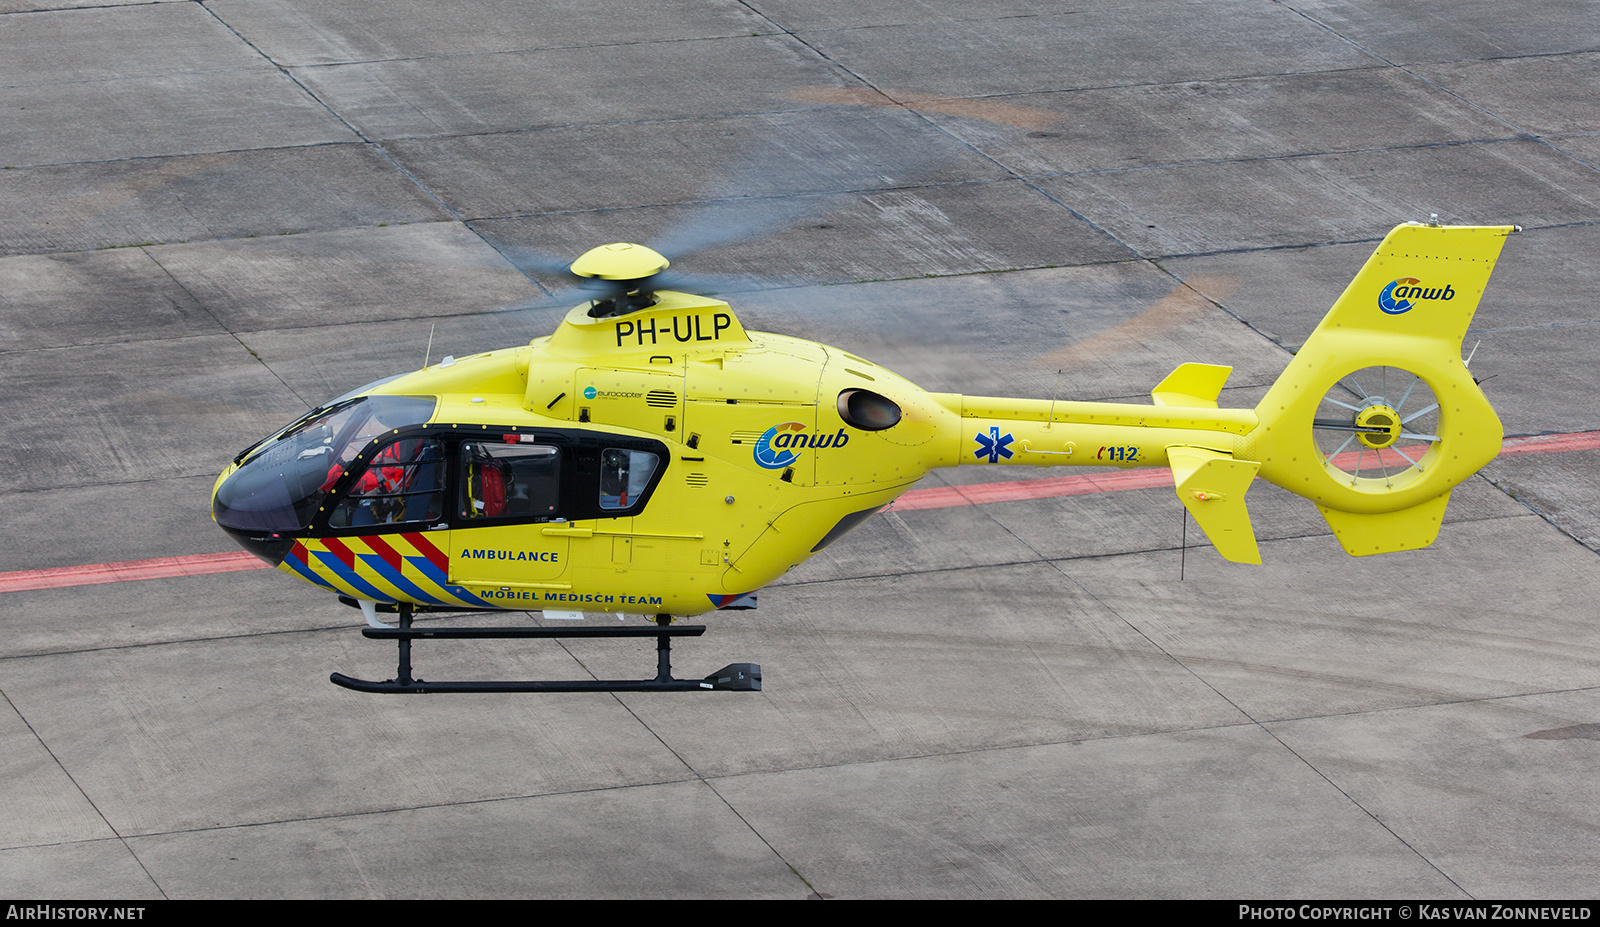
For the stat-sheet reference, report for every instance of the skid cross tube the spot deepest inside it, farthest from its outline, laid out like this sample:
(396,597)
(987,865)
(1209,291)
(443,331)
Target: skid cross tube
(745,677)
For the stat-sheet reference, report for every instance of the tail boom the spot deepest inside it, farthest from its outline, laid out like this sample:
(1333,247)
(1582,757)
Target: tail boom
(1384,488)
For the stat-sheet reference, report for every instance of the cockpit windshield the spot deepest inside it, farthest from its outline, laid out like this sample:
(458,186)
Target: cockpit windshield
(283,481)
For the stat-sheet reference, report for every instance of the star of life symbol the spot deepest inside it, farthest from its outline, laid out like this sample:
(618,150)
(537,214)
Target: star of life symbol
(992,445)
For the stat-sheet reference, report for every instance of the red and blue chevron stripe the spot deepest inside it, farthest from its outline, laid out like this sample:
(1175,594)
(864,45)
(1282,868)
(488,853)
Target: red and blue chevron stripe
(380,568)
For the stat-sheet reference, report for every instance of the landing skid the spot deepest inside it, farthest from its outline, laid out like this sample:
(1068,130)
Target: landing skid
(736,677)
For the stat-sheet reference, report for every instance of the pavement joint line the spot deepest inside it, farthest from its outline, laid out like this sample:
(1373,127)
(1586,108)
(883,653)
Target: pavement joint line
(134,79)
(128,159)
(796,109)
(614,123)
(1147,258)
(287,328)
(173,478)
(210,639)
(1529,328)
(538,49)
(1184,284)
(984,749)
(1334,32)
(1285,156)
(1368,812)
(1241,78)
(698,778)
(911,106)
(222,332)
(1079,558)
(1259,249)
(1184,665)
(1012,174)
(1549,519)
(371,812)
(977,19)
(689,767)
(116,834)
(1413,74)
(362,136)
(89,6)
(701,778)
(242,561)
(223,325)
(711,778)
(1074,558)
(735,198)
(708,780)
(948,496)
(928,121)
(1196,729)
(1476,700)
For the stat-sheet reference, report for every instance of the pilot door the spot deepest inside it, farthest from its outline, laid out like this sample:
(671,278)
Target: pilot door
(386,536)
(506,494)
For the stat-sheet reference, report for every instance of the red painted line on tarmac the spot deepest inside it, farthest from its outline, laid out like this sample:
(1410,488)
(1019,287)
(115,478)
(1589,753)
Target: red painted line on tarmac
(943,497)
(939,497)
(1549,444)
(159,568)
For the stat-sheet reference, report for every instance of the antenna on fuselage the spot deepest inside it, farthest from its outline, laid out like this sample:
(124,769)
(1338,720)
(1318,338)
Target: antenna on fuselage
(1054,391)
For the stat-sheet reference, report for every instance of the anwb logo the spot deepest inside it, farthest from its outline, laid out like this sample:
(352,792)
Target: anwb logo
(779,446)
(1400,294)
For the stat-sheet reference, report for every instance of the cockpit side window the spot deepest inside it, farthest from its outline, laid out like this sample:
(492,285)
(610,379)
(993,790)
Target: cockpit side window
(403,483)
(624,476)
(510,481)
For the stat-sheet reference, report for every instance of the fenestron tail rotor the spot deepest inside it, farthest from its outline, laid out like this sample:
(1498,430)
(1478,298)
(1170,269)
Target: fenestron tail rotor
(1376,427)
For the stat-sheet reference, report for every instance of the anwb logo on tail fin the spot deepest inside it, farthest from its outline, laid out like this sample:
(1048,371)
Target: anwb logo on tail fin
(1400,295)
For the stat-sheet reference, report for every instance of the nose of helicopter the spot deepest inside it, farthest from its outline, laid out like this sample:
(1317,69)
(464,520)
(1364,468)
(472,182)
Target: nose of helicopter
(269,545)
(273,490)
(264,500)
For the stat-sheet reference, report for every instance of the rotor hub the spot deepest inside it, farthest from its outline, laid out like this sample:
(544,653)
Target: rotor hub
(1378,415)
(620,261)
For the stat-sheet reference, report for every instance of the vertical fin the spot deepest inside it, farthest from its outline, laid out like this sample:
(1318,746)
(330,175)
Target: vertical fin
(1212,487)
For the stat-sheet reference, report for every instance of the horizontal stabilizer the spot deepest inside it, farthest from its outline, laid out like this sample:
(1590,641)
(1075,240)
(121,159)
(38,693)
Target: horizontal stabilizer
(1192,386)
(1211,486)
(1386,532)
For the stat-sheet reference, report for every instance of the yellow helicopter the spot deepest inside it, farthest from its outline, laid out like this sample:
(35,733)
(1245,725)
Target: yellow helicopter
(653,457)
